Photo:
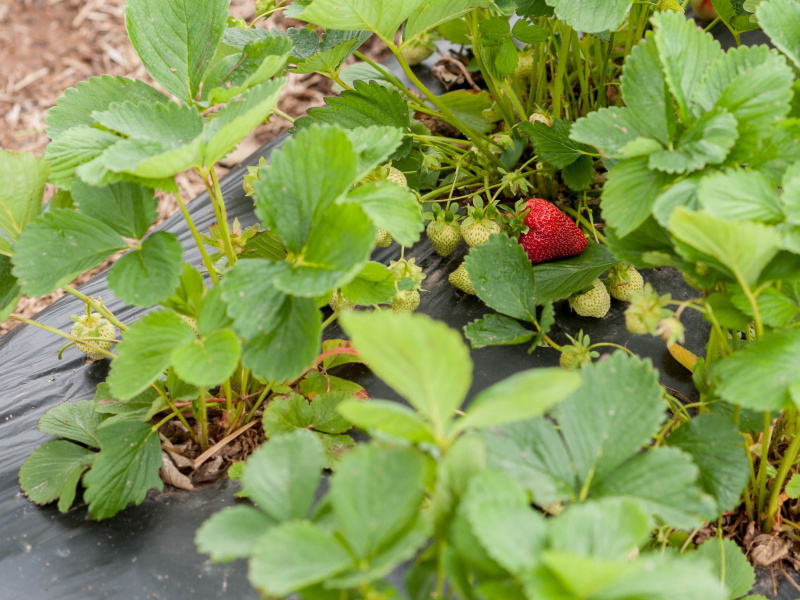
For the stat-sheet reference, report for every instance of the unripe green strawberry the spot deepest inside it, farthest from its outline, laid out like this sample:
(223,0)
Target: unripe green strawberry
(525,65)
(191,322)
(665,5)
(477,233)
(594,303)
(397,176)
(577,354)
(406,302)
(625,284)
(460,280)
(540,117)
(93,326)
(444,236)
(416,51)
(384,239)
(339,301)
(635,324)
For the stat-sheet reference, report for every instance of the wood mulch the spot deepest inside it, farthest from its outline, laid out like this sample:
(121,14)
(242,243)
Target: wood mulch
(47,46)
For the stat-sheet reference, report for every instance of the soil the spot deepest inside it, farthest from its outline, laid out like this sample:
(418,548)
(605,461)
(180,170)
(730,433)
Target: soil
(46,46)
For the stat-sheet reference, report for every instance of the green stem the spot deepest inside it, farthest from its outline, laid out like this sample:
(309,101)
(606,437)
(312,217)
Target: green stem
(337,79)
(168,401)
(390,77)
(259,401)
(762,464)
(99,308)
(197,240)
(60,333)
(561,68)
(222,216)
(203,418)
(777,485)
(283,115)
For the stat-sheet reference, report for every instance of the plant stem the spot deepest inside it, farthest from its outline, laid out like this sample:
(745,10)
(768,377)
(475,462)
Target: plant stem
(222,215)
(61,334)
(766,438)
(168,401)
(330,319)
(561,69)
(203,418)
(283,115)
(197,240)
(261,398)
(389,76)
(99,308)
(777,485)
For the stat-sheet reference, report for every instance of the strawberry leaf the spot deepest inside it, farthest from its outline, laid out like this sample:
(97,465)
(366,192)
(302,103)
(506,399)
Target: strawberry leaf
(293,412)
(469,106)
(559,279)
(145,352)
(373,145)
(373,285)
(60,245)
(329,60)
(729,565)
(591,16)
(423,360)
(553,144)
(376,493)
(388,417)
(237,119)
(208,361)
(149,274)
(367,105)
(74,421)
(129,209)
(497,330)
(740,195)
(232,533)
(303,179)
(176,40)
(140,408)
(392,207)
(53,471)
(503,277)
(173,124)
(10,291)
(295,555)
(283,353)
(383,19)
(432,13)
(608,129)
(23,177)
(253,301)
(76,106)
(780,20)
(74,148)
(237,70)
(579,175)
(124,470)
(282,476)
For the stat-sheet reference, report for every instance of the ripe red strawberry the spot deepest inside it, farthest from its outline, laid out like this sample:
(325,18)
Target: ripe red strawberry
(551,234)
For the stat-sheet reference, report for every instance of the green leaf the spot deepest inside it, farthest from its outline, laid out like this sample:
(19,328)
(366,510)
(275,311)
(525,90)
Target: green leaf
(777,309)
(579,175)
(74,421)
(376,492)
(644,89)
(208,361)
(10,291)
(507,528)
(793,487)
(264,244)
(237,119)
(553,144)
(392,207)
(60,245)
(685,53)
(706,142)
(329,61)
(293,556)
(607,529)
(76,106)
(292,412)
(72,149)
(682,193)
(53,471)
(497,330)
(178,55)
(503,276)
(145,352)
(23,177)
(232,533)
(560,278)
(529,33)
(339,243)
(383,19)
(253,301)
(522,396)
(144,158)
(590,16)
(726,312)
(168,122)
(368,104)
(608,129)
(742,248)
(740,195)
(373,145)
(468,107)
(780,20)
(124,470)
(282,476)
(373,285)
(721,74)
(213,313)
(729,563)
(421,359)
(630,193)
(432,13)
(716,448)
(236,72)
(140,408)
(761,375)
(290,346)
(149,274)
(387,417)
(664,481)
(129,209)
(304,178)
